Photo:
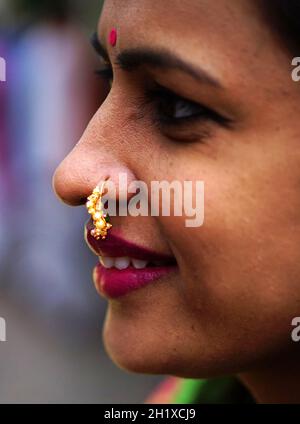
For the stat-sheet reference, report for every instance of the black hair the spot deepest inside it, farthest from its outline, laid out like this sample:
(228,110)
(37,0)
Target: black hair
(284,16)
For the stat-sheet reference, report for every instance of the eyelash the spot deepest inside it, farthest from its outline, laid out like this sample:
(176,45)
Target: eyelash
(160,95)
(106,73)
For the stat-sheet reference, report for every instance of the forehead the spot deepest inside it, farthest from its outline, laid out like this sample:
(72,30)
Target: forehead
(195,21)
(219,33)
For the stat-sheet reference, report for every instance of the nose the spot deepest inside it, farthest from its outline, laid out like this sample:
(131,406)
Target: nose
(92,160)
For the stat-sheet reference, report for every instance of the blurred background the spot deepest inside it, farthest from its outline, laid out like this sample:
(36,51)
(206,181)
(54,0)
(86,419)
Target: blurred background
(54,351)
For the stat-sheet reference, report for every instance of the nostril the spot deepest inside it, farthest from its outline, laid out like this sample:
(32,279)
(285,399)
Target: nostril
(69,194)
(82,201)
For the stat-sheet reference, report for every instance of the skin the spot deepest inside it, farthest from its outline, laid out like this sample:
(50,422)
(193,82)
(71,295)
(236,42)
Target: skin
(228,309)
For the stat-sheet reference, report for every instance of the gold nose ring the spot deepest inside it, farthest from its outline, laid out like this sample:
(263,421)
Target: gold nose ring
(95,209)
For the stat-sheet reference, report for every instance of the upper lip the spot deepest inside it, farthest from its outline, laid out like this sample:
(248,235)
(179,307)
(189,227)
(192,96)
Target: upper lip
(115,246)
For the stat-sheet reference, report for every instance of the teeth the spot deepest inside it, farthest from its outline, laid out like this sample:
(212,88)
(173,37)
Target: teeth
(138,264)
(122,262)
(106,262)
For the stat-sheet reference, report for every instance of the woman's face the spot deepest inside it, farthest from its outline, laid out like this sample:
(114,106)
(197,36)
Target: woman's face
(224,111)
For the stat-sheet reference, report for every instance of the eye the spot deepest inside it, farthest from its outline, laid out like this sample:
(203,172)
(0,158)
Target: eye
(183,109)
(106,73)
(172,109)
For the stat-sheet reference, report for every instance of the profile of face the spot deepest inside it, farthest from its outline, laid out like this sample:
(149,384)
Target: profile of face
(201,90)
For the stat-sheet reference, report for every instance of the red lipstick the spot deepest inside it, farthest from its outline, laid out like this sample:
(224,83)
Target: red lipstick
(112,282)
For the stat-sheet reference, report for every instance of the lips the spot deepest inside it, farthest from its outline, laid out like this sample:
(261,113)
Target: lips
(125,266)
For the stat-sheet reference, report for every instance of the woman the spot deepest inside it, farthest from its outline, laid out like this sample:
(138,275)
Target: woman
(200,91)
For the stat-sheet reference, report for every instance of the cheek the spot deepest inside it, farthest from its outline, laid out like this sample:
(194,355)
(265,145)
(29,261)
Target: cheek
(241,269)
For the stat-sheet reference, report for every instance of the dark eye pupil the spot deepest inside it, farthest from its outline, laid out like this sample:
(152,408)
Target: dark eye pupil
(176,108)
(166,108)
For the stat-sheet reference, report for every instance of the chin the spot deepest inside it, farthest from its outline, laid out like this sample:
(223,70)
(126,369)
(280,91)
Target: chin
(137,346)
(133,347)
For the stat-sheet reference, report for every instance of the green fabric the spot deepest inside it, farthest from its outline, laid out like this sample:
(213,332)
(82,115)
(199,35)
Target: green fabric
(217,390)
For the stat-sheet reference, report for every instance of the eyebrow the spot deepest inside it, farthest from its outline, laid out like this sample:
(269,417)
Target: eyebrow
(131,59)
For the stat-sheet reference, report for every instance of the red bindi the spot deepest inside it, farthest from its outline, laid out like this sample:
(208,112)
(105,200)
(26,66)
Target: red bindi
(113,37)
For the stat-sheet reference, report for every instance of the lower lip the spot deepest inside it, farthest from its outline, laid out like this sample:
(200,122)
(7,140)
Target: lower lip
(113,283)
